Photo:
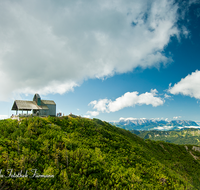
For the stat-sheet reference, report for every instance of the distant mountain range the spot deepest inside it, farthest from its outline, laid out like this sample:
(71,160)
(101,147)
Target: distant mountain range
(153,124)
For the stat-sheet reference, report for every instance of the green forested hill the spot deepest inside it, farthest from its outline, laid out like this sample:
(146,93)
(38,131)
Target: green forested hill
(185,136)
(90,154)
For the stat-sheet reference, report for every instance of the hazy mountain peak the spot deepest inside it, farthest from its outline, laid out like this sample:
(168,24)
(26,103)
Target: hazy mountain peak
(153,123)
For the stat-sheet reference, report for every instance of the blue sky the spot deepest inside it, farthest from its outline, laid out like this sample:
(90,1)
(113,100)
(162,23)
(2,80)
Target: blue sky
(105,59)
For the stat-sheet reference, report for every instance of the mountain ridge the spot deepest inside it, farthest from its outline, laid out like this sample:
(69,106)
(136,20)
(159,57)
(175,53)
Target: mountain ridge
(153,124)
(183,136)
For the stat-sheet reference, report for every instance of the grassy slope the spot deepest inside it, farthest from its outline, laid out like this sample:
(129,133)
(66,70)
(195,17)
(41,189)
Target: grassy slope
(91,154)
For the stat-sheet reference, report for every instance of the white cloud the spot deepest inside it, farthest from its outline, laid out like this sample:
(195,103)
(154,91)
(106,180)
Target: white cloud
(88,116)
(93,113)
(132,98)
(189,127)
(188,86)
(167,96)
(127,100)
(4,117)
(100,105)
(185,31)
(163,127)
(53,46)
(176,117)
(129,118)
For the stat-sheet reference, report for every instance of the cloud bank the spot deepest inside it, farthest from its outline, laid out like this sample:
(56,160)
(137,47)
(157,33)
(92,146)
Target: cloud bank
(188,86)
(53,46)
(163,127)
(3,117)
(129,99)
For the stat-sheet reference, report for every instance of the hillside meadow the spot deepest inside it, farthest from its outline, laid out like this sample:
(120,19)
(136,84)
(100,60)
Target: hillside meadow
(72,152)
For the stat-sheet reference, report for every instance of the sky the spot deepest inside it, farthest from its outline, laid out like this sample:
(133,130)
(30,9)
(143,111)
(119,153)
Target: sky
(102,59)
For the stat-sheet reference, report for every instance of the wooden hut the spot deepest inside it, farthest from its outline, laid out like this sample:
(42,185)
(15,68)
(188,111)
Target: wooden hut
(37,106)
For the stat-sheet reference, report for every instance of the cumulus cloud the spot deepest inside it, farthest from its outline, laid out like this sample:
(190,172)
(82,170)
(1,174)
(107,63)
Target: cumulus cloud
(129,99)
(53,46)
(188,86)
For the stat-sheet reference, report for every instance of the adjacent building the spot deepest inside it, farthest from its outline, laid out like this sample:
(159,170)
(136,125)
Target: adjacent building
(38,107)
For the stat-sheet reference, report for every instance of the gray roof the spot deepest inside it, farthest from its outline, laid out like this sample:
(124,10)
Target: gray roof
(44,107)
(25,105)
(48,102)
(32,105)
